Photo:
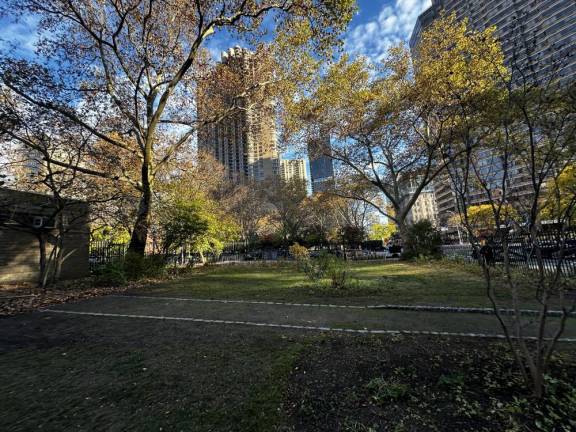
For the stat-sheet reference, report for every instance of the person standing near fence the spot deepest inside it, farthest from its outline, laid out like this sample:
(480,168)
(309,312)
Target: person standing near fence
(487,252)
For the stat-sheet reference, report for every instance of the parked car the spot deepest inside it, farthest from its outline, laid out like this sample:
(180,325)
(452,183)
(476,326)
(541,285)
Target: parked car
(384,253)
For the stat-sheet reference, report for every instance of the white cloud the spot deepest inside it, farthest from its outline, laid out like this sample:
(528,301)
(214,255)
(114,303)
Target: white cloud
(393,24)
(20,36)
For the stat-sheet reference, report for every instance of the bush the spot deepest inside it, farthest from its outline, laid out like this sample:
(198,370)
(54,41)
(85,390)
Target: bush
(326,266)
(423,241)
(110,274)
(138,266)
(132,267)
(336,270)
(300,253)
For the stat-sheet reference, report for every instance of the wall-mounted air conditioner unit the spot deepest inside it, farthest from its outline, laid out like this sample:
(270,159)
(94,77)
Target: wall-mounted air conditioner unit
(38,222)
(43,222)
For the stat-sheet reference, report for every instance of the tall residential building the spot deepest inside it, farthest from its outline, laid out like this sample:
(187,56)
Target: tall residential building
(544,28)
(425,207)
(293,169)
(536,35)
(244,141)
(321,165)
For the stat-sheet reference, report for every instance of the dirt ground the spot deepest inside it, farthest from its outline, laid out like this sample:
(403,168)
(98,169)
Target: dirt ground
(71,372)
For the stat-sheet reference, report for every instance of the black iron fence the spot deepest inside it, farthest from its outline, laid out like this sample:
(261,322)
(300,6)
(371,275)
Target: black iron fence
(102,253)
(556,248)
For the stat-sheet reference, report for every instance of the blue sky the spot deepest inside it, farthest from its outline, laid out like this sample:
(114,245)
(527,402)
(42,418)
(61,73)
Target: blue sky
(378,24)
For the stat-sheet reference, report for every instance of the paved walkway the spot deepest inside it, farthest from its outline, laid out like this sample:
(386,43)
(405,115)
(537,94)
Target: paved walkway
(297,316)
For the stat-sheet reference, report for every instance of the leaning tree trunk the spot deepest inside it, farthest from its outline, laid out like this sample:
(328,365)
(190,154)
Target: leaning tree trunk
(139,236)
(141,226)
(58,246)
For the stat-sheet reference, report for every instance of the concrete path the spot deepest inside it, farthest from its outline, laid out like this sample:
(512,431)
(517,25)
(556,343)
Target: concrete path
(306,317)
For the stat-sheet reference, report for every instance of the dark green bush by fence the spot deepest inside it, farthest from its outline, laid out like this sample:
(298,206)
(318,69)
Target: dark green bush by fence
(423,241)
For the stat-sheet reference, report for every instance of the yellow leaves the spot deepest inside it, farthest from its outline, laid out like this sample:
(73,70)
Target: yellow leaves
(482,217)
(561,196)
(455,63)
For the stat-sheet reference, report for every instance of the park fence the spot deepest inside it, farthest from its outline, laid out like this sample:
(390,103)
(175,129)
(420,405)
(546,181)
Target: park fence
(102,253)
(522,251)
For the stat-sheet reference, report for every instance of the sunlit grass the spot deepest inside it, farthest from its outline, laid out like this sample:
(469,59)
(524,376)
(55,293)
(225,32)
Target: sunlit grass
(435,283)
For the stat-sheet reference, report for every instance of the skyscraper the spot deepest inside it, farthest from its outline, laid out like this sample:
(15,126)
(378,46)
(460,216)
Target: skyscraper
(245,140)
(531,31)
(538,37)
(293,169)
(321,166)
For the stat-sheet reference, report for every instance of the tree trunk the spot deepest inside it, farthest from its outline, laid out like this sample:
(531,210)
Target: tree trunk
(43,263)
(537,383)
(403,232)
(142,225)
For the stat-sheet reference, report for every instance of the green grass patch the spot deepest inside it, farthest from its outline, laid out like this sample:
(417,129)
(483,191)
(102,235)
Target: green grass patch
(436,283)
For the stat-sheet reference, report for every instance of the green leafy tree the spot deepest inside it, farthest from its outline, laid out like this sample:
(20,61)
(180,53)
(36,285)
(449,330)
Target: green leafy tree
(197,223)
(423,240)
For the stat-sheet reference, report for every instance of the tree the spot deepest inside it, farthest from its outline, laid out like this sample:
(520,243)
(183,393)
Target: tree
(481,218)
(126,73)
(289,214)
(324,219)
(192,210)
(382,232)
(251,209)
(28,143)
(393,122)
(531,141)
(560,196)
(196,224)
(423,241)
(355,201)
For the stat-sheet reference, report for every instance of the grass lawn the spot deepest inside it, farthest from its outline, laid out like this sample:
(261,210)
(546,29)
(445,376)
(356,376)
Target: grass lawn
(371,283)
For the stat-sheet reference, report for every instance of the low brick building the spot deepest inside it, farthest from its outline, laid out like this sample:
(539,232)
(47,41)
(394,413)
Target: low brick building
(24,217)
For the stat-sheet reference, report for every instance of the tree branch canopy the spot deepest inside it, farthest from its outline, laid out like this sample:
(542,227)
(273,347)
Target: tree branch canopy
(127,72)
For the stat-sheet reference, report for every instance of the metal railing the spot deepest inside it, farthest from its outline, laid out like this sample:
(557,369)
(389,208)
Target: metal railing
(557,250)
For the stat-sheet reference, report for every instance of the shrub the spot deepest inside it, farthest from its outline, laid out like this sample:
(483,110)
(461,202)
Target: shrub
(110,274)
(423,241)
(132,267)
(326,266)
(299,252)
(335,269)
(138,266)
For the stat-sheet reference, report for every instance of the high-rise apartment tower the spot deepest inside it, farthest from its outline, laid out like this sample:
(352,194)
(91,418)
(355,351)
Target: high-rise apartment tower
(293,169)
(321,164)
(244,142)
(532,32)
(537,36)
